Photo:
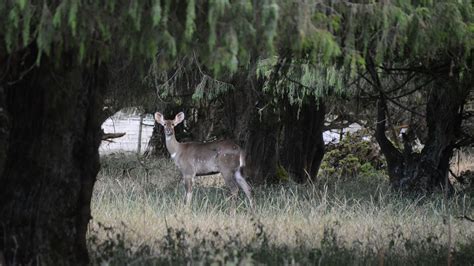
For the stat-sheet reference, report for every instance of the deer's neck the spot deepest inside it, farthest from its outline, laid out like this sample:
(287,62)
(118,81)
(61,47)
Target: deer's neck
(172,145)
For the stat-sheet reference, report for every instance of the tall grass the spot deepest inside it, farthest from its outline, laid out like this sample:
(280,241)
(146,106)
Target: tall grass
(139,218)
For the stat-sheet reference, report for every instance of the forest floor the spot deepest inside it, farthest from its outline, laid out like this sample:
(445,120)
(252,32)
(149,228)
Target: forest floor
(139,218)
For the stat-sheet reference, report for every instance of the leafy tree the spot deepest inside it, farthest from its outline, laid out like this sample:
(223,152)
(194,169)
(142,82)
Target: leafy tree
(424,45)
(336,48)
(54,60)
(404,45)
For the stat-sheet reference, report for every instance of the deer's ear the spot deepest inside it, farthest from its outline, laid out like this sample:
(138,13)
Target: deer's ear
(179,118)
(159,118)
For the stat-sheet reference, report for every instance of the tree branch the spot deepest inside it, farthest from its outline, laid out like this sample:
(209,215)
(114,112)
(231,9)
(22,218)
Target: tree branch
(109,136)
(414,90)
(387,147)
(378,85)
(400,86)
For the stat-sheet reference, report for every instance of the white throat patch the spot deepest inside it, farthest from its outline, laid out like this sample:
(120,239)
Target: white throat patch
(173,155)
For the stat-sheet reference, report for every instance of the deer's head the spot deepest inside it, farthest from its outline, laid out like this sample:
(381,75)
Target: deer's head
(169,124)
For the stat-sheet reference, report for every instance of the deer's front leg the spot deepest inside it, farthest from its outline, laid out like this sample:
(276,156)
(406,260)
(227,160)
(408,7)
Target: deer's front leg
(188,186)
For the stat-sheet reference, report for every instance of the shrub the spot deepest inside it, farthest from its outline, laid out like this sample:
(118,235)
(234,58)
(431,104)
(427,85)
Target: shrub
(351,157)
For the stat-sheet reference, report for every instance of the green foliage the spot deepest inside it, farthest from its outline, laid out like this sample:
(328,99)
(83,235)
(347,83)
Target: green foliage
(168,84)
(46,31)
(327,42)
(190,17)
(95,31)
(270,15)
(301,81)
(209,89)
(156,12)
(424,29)
(281,174)
(340,35)
(352,156)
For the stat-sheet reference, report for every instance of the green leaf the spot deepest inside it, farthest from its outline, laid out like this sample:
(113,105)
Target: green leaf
(58,15)
(170,43)
(156,13)
(190,17)
(21,4)
(9,39)
(72,16)
(14,17)
(135,14)
(45,31)
(26,27)
(82,52)
(212,21)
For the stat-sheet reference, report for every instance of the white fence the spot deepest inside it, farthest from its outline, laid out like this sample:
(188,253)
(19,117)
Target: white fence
(128,124)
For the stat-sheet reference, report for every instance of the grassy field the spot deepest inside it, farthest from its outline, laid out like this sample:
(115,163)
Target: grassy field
(139,218)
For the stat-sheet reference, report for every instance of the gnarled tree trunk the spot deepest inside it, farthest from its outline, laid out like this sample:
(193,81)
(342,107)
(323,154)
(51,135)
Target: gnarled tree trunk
(429,168)
(51,162)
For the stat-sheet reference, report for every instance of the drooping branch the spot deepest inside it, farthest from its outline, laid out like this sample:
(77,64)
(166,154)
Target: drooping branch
(110,136)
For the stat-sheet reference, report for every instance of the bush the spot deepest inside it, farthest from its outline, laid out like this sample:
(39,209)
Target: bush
(351,157)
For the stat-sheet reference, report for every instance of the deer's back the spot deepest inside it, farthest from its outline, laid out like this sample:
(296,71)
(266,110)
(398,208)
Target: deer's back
(219,147)
(211,157)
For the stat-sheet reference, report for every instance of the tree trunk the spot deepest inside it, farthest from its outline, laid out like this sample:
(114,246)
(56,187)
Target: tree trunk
(51,163)
(302,147)
(155,146)
(255,127)
(429,168)
(444,119)
(4,129)
(261,147)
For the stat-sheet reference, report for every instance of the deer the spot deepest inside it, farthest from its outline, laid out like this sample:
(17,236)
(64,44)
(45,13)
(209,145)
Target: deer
(205,158)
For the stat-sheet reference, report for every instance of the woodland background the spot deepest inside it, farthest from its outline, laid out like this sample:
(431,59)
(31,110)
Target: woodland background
(272,75)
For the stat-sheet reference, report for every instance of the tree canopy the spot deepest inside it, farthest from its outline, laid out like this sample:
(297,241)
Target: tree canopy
(403,34)
(95,31)
(228,35)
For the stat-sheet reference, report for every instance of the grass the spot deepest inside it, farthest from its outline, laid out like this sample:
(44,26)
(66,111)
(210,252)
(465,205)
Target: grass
(140,218)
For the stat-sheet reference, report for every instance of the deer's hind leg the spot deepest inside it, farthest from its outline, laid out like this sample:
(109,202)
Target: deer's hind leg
(233,187)
(239,179)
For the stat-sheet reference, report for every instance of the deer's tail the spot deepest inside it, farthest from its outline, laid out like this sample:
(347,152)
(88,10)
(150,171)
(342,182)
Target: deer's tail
(242,159)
